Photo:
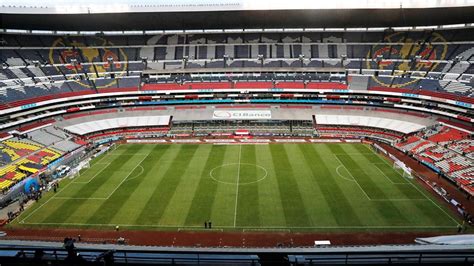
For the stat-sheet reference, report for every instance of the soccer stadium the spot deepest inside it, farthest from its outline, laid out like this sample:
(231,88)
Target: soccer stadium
(237,132)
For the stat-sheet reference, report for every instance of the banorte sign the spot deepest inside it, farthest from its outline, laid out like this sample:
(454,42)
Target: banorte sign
(242,115)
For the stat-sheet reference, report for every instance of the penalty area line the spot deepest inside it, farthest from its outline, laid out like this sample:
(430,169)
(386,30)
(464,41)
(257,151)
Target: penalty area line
(131,171)
(415,186)
(92,178)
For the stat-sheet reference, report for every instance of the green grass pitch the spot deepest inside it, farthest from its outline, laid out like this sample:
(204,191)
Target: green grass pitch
(288,187)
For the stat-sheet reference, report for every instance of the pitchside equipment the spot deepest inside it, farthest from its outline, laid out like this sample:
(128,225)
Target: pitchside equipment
(398,165)
(402,169)
(77,170)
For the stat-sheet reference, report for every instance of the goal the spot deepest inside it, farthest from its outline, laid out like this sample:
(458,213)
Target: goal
(76,171)
(398,165)
(402,169)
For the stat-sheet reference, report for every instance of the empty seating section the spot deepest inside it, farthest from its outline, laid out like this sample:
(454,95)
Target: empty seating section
(42,136)
(447,134)
(42,67)
(53,137)
(449,149)
(65,145)
(465,147)
(22,157)
(57,132)
(356,132)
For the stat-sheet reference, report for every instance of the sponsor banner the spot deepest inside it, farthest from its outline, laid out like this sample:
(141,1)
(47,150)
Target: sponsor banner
(28,106)
(242,114)
(242,137)
(352,140)
(146,141)
(185,140)
(290,140)
(463,104)
(410,95)
(182,135)
(221,134)
(325,140)
(106,140)
(219,140)
(242,132)
(434,168)
(255,140)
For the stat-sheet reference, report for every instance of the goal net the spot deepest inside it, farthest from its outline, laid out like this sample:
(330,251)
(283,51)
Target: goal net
(76,171)
(398,165)
(402,169)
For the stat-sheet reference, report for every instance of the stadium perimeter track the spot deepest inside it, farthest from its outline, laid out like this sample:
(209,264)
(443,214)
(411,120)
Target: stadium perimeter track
(247,239)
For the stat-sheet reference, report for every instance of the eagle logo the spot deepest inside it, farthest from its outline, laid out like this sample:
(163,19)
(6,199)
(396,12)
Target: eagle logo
(407,49)
(88,57)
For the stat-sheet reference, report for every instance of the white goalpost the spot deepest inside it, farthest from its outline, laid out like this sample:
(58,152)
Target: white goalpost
(76,171)
(399,166)
(402,169)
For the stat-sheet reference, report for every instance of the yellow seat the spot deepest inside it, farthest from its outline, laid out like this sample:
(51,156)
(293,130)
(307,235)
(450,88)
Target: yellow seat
(28,169)
(18,145)
(11,153)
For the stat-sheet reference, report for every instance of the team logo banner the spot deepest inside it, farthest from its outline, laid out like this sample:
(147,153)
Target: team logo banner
(242,115)
(406,49)
(92,58)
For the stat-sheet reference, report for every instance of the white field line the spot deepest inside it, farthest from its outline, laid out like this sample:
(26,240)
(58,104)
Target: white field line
(131,171)
(364,190)
(87,182)
(436,204)
(54,196)
(138,175)
(266,229)
(394,183)
(237,186)
(103,156)
(422,193)
(85,171)
(181,227)
(342,176)
(44,203)
(365,193)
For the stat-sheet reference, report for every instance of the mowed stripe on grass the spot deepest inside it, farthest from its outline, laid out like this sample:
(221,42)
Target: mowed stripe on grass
(295,186)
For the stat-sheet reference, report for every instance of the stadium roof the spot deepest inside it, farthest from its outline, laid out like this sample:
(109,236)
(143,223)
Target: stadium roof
(88,15)
(132,6)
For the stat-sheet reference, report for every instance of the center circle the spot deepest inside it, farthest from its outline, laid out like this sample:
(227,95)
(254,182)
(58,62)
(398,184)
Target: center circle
(238,173)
